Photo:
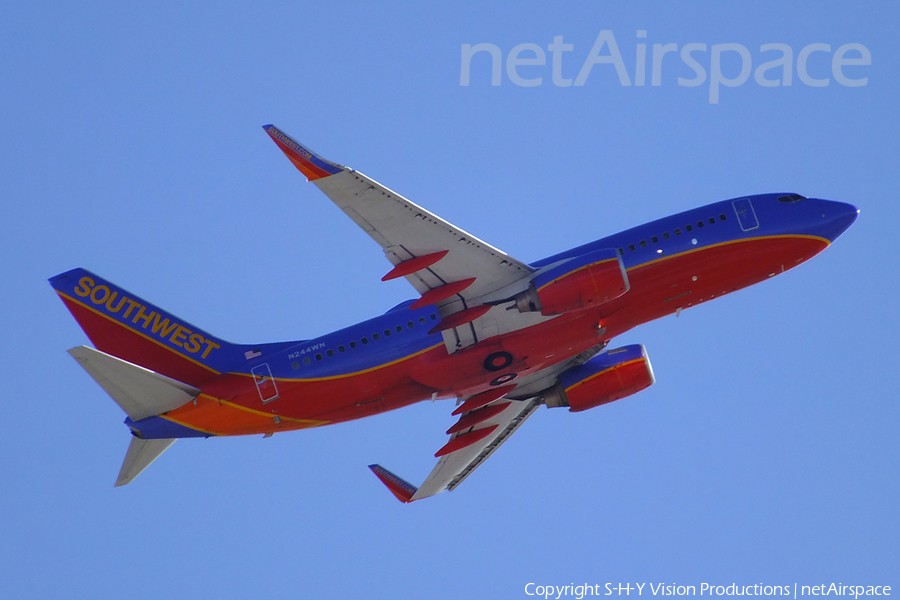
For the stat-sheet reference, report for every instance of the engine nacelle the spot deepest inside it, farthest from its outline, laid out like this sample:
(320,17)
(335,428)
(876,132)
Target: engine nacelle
(582,282)
(605,378)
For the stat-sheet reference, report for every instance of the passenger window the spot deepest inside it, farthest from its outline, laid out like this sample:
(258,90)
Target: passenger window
(341,349)
(631,247)
(688,228)
(364,341)
(677,231)
(410,324)
(712,220)
(700,224)
(330,352)
(296,365)
(421,319)
(353,344)
(621,251)
(387,333)
(654,239)
(399,328)
(307,361)
(376,337)
(643,243)
(318,357)
(433,317)
(665,235)
(722,217)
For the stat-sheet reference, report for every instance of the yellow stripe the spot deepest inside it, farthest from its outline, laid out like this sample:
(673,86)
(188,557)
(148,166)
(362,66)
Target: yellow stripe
(612,368)
(606,260)
(158,343)
(764,237)
(310,422)
(261,413)
(117,322)
(369,370)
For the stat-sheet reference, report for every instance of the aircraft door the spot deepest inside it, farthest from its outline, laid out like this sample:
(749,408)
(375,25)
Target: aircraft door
(745,214)
(265,384)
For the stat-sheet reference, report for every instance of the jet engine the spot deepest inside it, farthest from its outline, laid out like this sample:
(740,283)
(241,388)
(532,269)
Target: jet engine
(605,378)
(582,282)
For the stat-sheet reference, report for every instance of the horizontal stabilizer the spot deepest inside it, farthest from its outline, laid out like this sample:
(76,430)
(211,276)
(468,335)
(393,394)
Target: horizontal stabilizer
(139,456)
(140,392)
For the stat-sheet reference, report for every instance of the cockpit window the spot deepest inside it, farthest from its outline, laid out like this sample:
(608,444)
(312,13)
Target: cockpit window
(791,198)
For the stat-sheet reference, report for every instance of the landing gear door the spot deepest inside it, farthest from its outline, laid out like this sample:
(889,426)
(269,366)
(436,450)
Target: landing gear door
(265,385)
(745,214)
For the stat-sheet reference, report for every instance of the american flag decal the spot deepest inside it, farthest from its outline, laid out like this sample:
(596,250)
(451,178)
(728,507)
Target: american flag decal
(251,354)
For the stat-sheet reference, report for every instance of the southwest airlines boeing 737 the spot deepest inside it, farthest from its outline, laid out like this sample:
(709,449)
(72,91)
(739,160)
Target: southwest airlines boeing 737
(500,336)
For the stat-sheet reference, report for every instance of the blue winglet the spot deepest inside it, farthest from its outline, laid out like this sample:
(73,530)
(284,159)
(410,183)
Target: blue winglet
(308,162)
(401,488)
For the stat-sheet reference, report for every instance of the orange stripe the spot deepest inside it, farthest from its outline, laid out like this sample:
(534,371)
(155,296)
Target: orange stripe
(211,410)
(310,422)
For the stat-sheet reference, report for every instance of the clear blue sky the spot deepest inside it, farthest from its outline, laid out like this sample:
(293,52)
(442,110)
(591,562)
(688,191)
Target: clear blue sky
(767,452)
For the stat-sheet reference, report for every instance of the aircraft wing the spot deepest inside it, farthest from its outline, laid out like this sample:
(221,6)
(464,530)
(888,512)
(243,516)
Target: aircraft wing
(465,451)
(487,420)
(452,269)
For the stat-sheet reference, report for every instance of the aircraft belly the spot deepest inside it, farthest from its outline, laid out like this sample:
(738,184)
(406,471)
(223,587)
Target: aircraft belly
(389,399)
(658,288)
(231,404)
(514,355)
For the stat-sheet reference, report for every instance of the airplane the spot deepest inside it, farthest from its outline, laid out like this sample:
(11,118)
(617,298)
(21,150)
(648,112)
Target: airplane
(500,336)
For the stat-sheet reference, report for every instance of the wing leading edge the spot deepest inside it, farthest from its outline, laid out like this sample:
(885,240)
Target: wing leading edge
(449,267)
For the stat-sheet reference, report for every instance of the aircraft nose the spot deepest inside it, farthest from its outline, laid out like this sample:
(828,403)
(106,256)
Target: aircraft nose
(835,218)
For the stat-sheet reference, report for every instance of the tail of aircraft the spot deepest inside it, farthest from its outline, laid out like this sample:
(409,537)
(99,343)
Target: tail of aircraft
(147,360)
(123,325)
(142,394)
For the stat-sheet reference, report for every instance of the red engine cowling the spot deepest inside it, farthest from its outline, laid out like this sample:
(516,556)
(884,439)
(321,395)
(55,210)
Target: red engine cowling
(582,282)
(605,378)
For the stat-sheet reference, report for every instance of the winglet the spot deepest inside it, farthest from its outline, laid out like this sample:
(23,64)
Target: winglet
(308,162)
(399,487)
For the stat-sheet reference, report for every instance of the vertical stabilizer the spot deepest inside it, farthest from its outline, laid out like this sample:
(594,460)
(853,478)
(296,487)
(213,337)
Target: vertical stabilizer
(139,456)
